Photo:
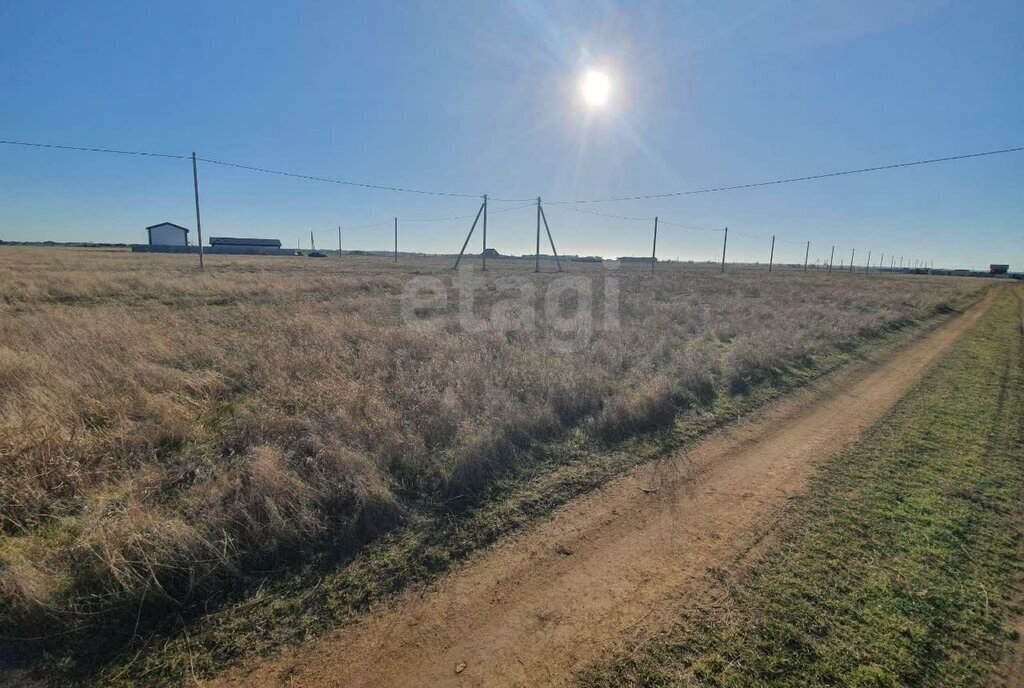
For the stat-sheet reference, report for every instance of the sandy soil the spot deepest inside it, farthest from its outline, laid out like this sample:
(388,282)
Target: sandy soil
(541,605)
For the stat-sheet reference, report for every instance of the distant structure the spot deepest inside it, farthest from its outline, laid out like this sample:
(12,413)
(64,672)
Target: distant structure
(242,241)
(171,238)
(245,245)
(167,234)
(998,269)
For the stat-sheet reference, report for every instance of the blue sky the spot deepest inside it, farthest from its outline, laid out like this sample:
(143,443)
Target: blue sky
(477,97)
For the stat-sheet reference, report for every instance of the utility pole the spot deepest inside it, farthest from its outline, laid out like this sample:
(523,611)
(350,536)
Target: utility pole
(483,254)
(725,242)
(853,252)
(396,239)
(536,255)
(339,241)
(551,240)
(867,265)
(807,255)
(771,256)
(831,258)
(654,246)
(881,263)
(199,221)
(468,237)
(312,244)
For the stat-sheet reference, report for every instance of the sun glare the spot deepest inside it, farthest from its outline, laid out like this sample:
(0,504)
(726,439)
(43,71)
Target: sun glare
(595,88)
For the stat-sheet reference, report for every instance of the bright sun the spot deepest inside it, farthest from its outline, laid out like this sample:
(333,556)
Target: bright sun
(595,87)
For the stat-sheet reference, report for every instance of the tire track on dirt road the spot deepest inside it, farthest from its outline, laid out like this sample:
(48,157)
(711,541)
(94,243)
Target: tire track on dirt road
(541,605)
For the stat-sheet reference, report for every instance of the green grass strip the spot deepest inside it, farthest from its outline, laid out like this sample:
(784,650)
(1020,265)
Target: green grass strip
(901,566)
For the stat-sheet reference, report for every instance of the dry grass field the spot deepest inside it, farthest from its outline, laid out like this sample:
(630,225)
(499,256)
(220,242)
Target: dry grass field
(165,432)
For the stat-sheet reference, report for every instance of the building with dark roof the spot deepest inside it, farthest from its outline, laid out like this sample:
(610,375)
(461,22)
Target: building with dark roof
(167,234)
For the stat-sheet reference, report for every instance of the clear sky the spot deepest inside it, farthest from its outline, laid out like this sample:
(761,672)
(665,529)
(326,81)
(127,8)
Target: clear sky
(476,97)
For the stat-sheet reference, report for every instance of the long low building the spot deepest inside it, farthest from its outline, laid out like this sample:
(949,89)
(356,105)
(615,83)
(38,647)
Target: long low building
(244,242)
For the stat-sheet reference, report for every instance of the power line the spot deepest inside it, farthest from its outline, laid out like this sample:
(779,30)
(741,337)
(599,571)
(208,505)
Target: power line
(791,180)
(646,220)
(430,219)
(374,224)
(398,189)
(343,182)
(564,205)
(96,150)
(465,217)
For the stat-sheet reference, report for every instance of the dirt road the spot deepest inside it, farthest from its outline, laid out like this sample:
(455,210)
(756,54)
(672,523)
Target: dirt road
(535,608)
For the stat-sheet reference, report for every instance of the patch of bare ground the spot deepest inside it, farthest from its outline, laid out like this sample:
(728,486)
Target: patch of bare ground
(535,608)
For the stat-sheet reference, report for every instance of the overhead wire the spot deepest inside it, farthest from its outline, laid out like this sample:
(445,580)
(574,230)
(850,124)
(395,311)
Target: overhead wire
(790,180)
(330,180)
(568,204)
(96,150)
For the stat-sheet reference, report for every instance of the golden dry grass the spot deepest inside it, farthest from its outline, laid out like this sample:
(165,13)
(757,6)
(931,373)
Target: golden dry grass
(165,431)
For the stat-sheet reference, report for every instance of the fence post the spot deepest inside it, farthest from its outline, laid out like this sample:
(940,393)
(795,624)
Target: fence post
(725,241)
(199,221)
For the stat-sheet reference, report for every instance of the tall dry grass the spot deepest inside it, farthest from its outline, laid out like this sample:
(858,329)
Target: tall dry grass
(164,432)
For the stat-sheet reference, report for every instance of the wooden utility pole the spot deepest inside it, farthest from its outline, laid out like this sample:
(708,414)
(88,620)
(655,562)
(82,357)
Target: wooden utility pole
(853,252)
(312,244)
(725,242)
(831,257)
(468,237)
(771,256)
(199,221)
(536,255)
(807,254)
(339,241)
(544,216)
(483,254)
(881,263)
(654,246)
(867,265)
(396,239)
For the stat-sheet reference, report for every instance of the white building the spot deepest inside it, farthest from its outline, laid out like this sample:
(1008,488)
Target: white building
(167,234)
